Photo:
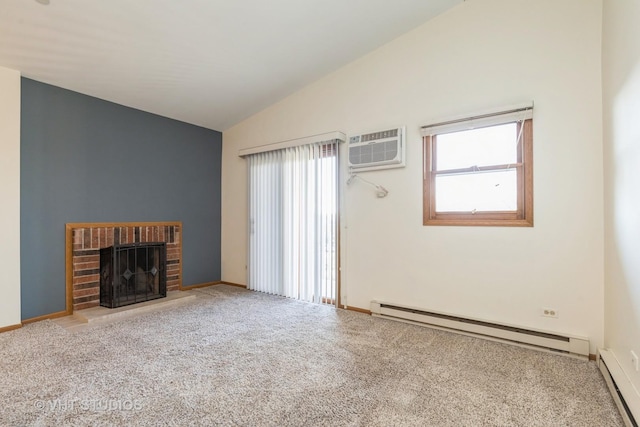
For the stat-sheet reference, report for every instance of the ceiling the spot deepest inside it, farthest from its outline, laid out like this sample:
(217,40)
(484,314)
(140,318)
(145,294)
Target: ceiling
(212,63)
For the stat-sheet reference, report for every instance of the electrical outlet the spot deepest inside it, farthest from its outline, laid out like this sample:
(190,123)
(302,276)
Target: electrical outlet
(549,312)
(634,361)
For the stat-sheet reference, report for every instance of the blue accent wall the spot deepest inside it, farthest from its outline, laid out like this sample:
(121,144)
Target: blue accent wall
(84,159)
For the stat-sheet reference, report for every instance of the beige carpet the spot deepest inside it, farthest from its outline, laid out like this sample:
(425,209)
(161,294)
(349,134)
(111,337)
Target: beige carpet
(235,357)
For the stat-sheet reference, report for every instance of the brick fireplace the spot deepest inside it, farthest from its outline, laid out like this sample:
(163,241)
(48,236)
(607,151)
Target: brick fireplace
(84,241)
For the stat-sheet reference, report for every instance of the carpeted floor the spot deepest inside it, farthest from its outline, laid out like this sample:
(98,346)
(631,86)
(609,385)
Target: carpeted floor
(235,357)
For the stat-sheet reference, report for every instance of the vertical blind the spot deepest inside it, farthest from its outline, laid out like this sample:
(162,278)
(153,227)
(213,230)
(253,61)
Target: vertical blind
(293,222)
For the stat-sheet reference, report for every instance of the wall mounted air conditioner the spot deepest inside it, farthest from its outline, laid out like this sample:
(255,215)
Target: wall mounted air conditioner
(377,150)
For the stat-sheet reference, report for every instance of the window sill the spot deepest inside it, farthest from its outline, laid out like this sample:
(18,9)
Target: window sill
(479,222)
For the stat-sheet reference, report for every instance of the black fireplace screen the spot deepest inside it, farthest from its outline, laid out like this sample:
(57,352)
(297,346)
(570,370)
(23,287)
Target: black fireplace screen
(132,273)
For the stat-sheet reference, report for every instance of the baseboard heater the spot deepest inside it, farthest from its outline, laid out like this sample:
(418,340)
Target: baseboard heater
(483,329)
(619,386)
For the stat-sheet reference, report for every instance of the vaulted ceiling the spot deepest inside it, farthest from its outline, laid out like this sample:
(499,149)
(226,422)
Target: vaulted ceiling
(212,63)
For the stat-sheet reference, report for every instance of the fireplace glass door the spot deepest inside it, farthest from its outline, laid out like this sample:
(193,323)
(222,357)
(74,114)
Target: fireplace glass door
(132,273)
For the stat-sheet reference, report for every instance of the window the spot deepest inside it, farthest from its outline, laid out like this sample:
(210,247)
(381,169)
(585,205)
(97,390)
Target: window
(479,171)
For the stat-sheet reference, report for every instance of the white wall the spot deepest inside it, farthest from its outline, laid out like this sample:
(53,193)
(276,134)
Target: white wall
(621,94)
(481,54)
(10,197)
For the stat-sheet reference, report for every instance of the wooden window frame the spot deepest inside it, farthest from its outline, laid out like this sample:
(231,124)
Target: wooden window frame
(522,217)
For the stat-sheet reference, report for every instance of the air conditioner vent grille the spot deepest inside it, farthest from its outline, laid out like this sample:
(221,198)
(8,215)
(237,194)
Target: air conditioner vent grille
(381,152)
(380,135)
(377,150)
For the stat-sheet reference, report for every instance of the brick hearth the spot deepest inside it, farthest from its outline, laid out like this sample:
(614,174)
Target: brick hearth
(88,239)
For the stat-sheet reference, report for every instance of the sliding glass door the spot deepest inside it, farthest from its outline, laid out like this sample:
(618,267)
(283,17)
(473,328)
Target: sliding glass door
(293,222)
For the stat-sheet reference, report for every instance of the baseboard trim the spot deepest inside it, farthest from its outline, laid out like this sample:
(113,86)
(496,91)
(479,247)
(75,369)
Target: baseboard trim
(237,285)
(47,316)
(206,285)
(200,285)
(10,328)
(357,309)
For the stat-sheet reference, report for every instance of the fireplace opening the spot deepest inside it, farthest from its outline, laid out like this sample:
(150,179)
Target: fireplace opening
(132,273)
